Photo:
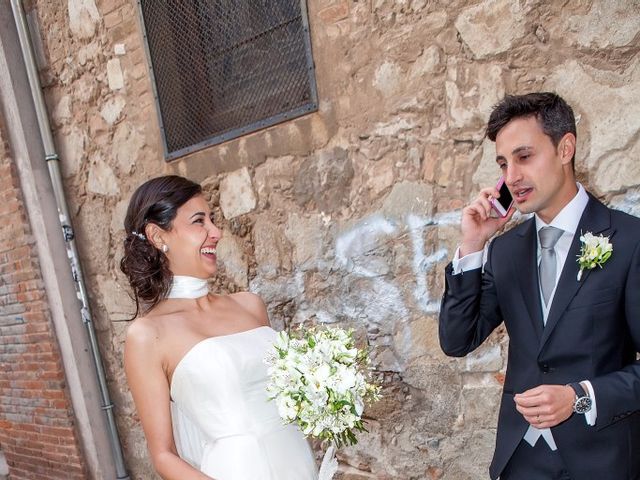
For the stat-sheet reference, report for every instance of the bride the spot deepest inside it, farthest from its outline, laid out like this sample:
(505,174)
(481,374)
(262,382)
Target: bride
(193,359)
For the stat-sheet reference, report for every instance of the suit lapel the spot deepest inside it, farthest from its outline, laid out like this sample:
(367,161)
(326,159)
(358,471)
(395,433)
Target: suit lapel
(595,219)
(526,271)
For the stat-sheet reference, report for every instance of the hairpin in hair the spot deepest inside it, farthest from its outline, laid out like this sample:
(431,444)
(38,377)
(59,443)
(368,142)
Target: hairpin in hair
(139,235)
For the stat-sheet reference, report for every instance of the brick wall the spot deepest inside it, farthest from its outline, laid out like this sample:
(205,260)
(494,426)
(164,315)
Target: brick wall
(37,433)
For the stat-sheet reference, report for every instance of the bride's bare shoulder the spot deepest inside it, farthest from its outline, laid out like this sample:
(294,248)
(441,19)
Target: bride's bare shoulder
(252,303)
(148,330)
(142,333)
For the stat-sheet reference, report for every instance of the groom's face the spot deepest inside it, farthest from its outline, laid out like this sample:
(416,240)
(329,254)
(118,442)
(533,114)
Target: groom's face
(537,173)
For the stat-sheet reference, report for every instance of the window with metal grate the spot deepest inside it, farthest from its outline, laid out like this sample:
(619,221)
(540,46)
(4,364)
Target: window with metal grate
(224,68)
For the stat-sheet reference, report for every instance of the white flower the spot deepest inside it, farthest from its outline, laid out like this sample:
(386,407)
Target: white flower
(286,408)
(595,251)
(317,381)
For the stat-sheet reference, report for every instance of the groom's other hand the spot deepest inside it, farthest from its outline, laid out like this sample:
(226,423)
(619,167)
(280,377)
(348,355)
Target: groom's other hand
(477,224)
(547,405)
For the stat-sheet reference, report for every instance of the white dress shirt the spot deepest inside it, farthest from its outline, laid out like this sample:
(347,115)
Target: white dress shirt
(567,220)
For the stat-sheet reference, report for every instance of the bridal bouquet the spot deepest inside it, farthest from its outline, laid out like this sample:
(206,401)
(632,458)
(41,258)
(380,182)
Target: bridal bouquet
(320,380)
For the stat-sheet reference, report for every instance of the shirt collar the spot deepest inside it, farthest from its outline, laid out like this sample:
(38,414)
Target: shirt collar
(569,216)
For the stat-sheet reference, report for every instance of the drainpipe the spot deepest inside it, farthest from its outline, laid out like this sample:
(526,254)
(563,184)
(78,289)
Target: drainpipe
(53,164)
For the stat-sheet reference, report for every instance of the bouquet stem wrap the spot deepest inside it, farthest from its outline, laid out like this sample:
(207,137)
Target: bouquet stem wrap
(329,465)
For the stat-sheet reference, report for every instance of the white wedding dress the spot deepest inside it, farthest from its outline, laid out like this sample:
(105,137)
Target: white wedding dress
(224,423)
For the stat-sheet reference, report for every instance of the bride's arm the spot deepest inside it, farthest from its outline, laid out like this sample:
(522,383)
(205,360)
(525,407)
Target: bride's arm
(148,384)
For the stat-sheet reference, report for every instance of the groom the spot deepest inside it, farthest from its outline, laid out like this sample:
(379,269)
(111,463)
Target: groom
(571,401)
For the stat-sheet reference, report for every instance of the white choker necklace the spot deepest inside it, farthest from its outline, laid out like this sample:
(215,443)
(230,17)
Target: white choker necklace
(188,287)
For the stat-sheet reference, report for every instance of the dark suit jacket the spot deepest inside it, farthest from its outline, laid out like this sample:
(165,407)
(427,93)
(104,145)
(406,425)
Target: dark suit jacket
(592,333)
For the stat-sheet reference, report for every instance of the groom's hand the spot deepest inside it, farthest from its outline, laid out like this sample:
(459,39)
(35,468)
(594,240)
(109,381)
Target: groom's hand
(478,225)
(547,405)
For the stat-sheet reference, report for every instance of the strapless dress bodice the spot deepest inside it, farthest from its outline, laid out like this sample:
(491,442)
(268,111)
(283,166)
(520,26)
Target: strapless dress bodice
(220,385)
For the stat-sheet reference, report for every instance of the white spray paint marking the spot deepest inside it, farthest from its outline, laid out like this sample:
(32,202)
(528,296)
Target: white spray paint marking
(630,204)
(423,263)
(355,253)
(360,241)
(383,299)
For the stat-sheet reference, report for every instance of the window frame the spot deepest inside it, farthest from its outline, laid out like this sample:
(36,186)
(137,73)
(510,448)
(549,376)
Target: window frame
(216,139)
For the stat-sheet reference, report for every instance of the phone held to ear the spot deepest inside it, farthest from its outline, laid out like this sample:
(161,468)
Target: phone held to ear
(504,203)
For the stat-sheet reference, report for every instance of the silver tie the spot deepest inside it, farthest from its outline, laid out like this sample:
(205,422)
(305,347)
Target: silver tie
(549,236)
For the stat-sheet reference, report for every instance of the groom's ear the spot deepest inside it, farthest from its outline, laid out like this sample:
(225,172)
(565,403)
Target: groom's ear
(154,235)
(567,148)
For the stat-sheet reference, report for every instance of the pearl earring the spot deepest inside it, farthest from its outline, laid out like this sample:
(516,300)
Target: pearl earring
(165,248)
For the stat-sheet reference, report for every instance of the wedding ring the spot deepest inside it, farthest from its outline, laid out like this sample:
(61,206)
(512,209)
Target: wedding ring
(538,418)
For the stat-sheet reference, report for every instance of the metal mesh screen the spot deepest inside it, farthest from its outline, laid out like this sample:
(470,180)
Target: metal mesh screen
(223,68)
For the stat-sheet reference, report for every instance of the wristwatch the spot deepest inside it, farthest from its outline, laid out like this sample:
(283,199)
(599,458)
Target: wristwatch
(583,402)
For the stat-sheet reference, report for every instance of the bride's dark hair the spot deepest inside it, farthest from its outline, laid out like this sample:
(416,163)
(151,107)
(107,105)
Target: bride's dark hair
(147,268)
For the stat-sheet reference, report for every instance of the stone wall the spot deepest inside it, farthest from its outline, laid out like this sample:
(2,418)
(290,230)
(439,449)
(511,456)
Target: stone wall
(349,215)
(38,436)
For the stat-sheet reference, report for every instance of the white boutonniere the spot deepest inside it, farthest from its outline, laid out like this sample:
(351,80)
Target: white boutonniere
(595,251)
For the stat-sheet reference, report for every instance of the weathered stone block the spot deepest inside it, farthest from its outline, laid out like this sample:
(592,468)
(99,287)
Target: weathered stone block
(418,338)
(126,146)
(92,236)
(467,456)
(114,74)
(491,27)
(274,180)
(101,179)
(62,111)
(324,179)
(609,93)
(89,52)
(487,358)
(627,202)
(117,216)
(83,17)
(72,150)
(306,234)
(112,109)
(440,385)
(480,405)
(236,194)
(471,94)
(387,77)
(115,299)
(428,63)
(487,173)
(271,248)
(408,197)
(619,170)
(608,23)
(233,259)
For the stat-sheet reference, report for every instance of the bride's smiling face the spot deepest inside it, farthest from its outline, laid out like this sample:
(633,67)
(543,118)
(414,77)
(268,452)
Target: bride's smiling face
(192,240)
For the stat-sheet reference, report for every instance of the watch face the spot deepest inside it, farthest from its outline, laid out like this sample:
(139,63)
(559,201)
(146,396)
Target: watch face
(582,405)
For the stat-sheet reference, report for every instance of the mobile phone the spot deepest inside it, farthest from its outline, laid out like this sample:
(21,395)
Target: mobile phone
(502,204)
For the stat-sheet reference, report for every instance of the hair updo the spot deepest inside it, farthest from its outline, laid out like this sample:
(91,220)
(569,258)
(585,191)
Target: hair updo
(147,268)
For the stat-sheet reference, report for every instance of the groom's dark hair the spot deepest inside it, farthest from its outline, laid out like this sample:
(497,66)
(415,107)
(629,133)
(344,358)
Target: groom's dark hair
(553,113)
